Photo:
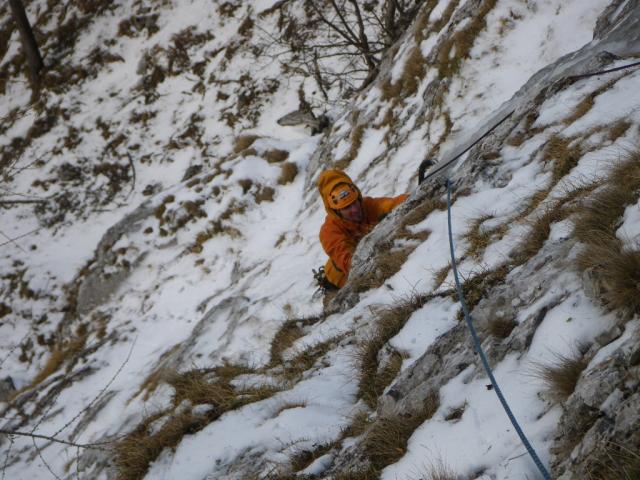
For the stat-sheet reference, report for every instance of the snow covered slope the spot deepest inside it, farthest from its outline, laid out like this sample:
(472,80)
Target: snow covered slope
(161,228)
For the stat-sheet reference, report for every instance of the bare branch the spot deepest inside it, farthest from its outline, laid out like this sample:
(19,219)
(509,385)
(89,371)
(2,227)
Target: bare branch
(90,446)
(6,459)
(364,41)
(43,460)
(102,392)
(16,202)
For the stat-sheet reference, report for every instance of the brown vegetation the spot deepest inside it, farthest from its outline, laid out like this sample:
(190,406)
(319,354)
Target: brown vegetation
(499,327)
(243,142)
(616,462)
(614,267)
(356,142)
(305,457)
(288,173)
(479,238)
(457,46)
(437,470)
(386,440)
(275,155)
(563,156)
(388,322)
(561,375)
(138,449)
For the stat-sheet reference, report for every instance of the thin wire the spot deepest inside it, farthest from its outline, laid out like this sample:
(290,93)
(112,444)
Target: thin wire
(478,347)
(602,72)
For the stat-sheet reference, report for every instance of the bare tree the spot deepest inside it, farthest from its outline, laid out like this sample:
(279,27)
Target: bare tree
(32,52)
(339,43)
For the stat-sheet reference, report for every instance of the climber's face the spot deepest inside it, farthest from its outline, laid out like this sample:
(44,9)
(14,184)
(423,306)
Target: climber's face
(352,212)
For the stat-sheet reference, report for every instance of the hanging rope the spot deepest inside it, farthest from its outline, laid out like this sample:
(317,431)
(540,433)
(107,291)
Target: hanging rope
(478,347)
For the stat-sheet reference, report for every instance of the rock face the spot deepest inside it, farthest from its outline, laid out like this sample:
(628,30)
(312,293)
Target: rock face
(600,421)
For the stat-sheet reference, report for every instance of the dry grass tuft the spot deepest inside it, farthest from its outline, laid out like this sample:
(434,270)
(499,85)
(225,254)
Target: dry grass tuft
(617,462)
(288,173)
(264,194)
(195,387)
(414,71)
(616,271)
(475,288)
(389,321)
(500,327)
(391,90)
(422,211)
(618,129)
(243,142)
(370,474)
(457,47)
(561,375)
(290,331)
(446,16)
(437,470)
(563,156)
(275,155)
(61,352)
(356,142)
(306,359)
(614,268)
(538,233)
(386,441)
(581,109)
(439,276)
(303,458)
(587,103)
(551,212)
(136,451)
(479,238)
(359,423)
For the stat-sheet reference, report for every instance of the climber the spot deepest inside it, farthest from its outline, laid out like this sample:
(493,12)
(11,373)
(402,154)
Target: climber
(349,218)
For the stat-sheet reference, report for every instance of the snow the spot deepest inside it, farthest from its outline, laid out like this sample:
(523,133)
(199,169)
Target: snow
(423,328)
(246,281)
(629,231)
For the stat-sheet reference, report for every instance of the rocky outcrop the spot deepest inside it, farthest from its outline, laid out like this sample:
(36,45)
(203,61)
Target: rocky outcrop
(600,421)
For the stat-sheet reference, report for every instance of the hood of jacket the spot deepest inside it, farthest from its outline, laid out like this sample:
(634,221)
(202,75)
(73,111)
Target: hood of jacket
(328,180)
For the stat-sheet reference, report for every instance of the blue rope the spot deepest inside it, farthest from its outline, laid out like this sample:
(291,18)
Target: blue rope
(478,347)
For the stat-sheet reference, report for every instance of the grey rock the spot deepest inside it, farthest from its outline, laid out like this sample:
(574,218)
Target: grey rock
(6,388)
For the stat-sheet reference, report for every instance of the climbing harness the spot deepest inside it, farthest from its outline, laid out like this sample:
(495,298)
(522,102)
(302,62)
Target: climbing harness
(478,347)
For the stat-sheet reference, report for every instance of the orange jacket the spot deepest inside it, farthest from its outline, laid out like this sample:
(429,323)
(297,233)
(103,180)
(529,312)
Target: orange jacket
(339,237)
